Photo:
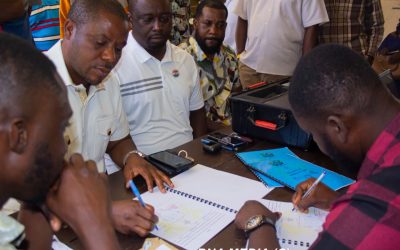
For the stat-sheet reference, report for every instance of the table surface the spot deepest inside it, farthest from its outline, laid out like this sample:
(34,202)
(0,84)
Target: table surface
(230,237)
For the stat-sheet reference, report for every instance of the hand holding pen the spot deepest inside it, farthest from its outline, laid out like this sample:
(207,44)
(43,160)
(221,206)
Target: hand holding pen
(137,194)
(313,193)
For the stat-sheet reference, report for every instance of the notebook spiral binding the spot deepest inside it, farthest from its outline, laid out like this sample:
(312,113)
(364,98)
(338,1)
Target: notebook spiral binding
(294,242)
(258,176)
(199,199)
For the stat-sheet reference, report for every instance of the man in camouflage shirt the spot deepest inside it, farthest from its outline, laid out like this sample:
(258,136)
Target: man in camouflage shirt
(216,62)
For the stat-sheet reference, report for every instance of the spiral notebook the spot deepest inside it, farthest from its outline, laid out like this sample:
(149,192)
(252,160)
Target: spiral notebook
(283,166)
(203,202)
(296,230)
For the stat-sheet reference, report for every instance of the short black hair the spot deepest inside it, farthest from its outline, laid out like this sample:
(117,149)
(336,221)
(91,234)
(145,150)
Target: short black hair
(331,78)
(23,70)
(214,4)
(132,5)
(84,11)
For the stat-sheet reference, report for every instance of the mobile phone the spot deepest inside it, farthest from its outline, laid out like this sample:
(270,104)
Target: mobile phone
(211,146)
(232,142)
(171,160)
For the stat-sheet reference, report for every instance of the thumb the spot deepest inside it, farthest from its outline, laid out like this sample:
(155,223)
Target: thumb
(55,222)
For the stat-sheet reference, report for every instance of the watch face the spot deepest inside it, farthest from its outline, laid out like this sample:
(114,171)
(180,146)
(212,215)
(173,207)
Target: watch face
(253,222)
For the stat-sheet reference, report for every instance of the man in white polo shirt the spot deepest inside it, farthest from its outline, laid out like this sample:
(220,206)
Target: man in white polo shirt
(160,86)
(95,34)
(272,36)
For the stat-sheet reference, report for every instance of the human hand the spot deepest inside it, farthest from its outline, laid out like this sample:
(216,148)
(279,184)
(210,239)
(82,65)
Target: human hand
(81,199)
(251,208)
(136,165)
(321,197)
(130,217)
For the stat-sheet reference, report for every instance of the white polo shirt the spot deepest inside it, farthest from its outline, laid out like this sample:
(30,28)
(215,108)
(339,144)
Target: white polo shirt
(97,117)
(276,30)
(158,95)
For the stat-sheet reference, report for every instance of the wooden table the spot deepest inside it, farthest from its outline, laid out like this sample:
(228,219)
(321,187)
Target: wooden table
(230,237)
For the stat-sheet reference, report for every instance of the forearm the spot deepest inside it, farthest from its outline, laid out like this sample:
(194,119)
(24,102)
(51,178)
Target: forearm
(198,122)
(99,237)
(119,149)
(310,38)
(34,220)
(263,238)
(241,35)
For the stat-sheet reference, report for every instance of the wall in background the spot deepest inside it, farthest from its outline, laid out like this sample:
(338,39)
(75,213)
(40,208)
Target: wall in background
(391,11)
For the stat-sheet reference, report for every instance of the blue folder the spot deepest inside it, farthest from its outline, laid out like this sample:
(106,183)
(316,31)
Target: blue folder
(283,166)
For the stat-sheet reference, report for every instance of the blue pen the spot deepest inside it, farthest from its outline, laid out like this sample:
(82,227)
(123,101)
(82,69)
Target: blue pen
(137,194)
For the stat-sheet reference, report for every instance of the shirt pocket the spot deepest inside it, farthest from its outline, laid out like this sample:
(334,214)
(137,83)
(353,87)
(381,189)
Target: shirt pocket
(105,128)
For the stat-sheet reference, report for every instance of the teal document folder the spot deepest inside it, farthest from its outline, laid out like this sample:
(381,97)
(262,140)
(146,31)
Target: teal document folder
(283,166)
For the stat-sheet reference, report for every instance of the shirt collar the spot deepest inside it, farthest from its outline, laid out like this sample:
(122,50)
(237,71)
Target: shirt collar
(198,52)
(57,57)
(136,50)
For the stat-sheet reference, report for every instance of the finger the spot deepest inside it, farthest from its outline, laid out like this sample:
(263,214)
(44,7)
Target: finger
(166,179)
(91,165)
(150,208)
(141,231)
(76,160)
(149,180)
(159,182)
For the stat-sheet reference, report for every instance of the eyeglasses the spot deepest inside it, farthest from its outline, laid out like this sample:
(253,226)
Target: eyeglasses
(147,19)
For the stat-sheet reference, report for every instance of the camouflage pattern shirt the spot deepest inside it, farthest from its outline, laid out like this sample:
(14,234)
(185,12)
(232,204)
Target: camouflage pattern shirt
(217,79)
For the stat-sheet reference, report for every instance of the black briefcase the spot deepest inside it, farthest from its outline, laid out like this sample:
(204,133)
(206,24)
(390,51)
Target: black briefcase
(265,113)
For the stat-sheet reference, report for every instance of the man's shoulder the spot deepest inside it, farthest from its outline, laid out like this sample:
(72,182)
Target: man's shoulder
(228,51)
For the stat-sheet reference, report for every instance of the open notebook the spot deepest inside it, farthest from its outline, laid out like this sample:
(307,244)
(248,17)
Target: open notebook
(282,166)
(203,202)
(296,230)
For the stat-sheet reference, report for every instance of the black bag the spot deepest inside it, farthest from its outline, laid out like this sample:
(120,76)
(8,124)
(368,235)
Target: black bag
(265,113)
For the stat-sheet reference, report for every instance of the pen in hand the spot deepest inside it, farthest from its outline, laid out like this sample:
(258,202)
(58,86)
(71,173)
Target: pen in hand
(137,194)
(312,187)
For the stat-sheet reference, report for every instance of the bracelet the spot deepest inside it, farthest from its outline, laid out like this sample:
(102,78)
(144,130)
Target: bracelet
(132,152)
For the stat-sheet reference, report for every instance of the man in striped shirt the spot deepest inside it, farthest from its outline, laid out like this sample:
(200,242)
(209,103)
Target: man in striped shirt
(357,24)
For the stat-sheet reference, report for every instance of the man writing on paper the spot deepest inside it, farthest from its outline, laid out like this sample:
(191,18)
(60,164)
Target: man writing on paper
(356,121)
(34,113)
(95,34)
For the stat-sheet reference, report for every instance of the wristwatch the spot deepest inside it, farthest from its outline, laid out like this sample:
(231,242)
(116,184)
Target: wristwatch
(132,152)
(255,222)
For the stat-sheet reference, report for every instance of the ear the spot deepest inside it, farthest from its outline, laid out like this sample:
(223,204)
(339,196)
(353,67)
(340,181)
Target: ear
(337,129)
(69,28)
(18,135)
(195,23)
(130,20)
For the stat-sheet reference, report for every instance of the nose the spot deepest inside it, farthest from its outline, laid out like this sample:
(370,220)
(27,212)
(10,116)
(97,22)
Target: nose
(109,55)
(156,24)
(213,29)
